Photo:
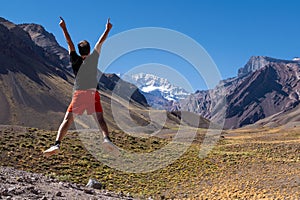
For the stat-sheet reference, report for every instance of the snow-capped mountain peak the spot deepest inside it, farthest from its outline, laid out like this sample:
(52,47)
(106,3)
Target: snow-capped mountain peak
(149,83)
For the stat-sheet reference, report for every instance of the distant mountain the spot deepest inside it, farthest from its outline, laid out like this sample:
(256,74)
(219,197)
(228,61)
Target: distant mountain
(112,83)
(159,92)
(264,87)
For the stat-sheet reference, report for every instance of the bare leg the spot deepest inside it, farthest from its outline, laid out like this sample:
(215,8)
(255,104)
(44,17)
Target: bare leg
(109,147)
(65,125)
(100,119)
(63,128)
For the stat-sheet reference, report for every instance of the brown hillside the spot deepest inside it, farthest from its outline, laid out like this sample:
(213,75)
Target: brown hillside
(33,92)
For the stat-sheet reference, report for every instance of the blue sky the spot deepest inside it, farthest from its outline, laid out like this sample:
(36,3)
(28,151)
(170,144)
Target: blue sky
(230,31)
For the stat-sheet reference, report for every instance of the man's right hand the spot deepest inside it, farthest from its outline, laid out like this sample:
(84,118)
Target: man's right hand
(108,24)
(62,23)
(66,34)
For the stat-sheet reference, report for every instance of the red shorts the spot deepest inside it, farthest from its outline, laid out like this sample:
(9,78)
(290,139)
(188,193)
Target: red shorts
(88,100)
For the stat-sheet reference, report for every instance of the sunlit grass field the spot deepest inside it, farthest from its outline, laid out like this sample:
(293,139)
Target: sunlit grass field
(245,164)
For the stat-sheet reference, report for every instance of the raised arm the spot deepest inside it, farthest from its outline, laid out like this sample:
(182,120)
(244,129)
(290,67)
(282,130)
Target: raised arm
(62,24)
(103,36)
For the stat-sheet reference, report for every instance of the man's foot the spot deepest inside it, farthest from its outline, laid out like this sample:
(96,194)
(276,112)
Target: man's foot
(106,139)
(51,151)
(109,147)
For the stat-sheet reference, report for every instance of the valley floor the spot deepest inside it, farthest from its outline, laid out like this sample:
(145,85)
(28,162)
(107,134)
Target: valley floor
(257,163)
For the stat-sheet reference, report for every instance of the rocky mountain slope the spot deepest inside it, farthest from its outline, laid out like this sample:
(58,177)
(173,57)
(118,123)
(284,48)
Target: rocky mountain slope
(287,118)
(33,89)
(270,90)
(112,83)
(42,38)
(258,62)
(264,87)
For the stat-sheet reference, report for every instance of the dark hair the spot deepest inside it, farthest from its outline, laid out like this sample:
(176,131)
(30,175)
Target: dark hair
(84,47)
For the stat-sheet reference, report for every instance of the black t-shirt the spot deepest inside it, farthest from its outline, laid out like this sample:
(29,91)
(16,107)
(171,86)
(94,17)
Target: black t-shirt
(85,70)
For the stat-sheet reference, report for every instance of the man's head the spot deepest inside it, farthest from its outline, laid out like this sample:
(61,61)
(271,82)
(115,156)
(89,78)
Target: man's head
(84,48)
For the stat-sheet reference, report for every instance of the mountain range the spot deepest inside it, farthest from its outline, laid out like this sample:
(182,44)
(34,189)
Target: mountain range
(264,92)
(159,92)
(36,83)
(265,88)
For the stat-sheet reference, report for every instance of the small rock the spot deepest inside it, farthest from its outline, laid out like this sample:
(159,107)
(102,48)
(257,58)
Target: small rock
(4,192)
(108,194)
(30,187)
(89,191)
(28,180)
(34,179)
(121,194)
(58,194)
(11,190)
(19,179)
(94,184)
(129,195)
(44,198)
(35,191)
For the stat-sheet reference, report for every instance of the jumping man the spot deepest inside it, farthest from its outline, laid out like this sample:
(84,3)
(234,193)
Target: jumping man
(85,96)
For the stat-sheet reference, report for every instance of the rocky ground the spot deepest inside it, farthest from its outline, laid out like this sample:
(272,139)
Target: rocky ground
(21,185)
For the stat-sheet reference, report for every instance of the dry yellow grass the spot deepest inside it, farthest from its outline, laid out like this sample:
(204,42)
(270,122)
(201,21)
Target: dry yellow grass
(246,164)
